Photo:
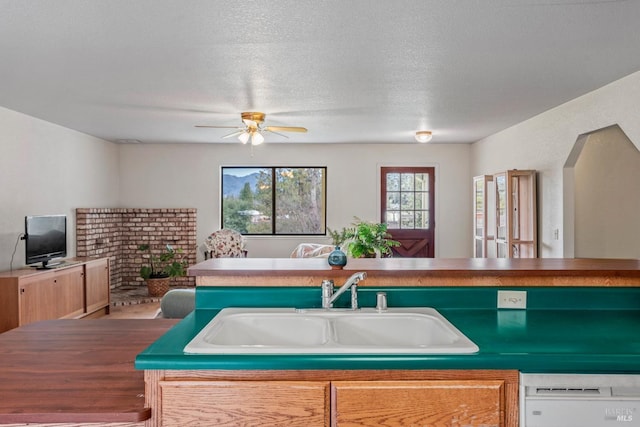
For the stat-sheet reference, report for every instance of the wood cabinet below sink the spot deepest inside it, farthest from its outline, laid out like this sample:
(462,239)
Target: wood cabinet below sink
(418,403)
(333,398)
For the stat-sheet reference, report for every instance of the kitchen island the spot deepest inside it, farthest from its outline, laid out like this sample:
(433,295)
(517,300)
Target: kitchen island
(570,330)
(420,272)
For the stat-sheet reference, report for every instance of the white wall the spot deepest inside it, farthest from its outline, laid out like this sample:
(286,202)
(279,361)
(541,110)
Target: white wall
(607,197)
(189,176)
(49,169)
(545,141)
(45,168)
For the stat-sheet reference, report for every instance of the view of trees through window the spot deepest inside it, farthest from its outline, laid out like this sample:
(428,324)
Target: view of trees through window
(274,200)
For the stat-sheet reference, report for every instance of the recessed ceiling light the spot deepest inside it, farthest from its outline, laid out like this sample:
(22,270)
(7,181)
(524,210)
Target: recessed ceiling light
(424,136)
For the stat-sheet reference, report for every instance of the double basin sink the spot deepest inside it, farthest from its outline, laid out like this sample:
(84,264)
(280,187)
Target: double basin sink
(418,330)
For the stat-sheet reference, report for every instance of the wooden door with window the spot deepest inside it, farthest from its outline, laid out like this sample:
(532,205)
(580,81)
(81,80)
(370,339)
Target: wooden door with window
(408,209)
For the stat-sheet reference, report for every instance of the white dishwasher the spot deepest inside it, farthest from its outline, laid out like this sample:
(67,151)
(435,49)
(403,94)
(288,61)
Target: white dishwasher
(577,400)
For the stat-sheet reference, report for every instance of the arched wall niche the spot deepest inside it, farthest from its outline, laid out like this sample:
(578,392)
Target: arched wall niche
(601,196)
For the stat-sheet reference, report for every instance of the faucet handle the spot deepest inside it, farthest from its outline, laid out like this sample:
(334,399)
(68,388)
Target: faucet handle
(354,297)
(381,301)
(327,292)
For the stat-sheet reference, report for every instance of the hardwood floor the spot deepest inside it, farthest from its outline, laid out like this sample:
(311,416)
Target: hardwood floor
(148,310)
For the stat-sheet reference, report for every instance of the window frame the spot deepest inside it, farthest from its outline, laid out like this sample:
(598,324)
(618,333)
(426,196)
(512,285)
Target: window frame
(273,169)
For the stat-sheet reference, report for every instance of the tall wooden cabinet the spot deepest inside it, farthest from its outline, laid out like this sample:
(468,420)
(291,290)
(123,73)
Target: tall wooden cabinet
(78,290)
(516,214)
(505,203)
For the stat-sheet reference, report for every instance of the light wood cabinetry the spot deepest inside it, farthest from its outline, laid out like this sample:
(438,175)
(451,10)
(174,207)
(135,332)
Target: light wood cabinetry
(51,295)
(73,291)
(418,403)
(96,293)
(255,403)
(516,214)
(505,215)
(333,398)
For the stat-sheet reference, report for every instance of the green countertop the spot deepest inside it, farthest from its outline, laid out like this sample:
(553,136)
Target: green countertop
(563,330)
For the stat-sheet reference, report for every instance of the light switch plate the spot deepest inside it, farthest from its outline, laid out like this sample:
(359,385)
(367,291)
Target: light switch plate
(512,299)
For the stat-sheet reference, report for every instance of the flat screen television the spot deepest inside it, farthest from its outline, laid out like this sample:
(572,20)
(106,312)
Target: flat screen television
(45,239)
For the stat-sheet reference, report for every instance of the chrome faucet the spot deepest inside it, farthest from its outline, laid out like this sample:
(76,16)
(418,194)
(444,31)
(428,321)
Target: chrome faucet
(329,296)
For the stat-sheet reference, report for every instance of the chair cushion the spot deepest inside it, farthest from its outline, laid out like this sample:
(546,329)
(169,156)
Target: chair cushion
(177,303)
(225,243)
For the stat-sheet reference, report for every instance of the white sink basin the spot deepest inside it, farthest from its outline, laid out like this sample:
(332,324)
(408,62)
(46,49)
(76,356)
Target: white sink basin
(418,330)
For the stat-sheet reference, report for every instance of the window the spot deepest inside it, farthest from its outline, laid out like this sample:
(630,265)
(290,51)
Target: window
(274,200)
(408,198)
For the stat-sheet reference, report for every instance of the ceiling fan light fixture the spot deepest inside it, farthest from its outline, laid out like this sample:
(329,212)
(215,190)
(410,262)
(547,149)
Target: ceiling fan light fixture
(423,136)
(256,138)
(244,137)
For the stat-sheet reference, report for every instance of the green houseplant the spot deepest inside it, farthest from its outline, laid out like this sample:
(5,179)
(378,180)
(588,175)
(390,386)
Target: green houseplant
(162,267)
(338,237)
(369,239)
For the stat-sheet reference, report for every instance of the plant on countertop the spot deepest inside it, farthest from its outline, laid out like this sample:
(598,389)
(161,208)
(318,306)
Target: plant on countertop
(368,239)
(168,263)
(338,237)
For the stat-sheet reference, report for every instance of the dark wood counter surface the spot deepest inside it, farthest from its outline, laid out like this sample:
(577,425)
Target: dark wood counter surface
(75,371)
(420,272)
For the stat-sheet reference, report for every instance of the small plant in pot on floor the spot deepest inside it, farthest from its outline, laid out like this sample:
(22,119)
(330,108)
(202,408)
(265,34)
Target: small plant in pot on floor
(161,268)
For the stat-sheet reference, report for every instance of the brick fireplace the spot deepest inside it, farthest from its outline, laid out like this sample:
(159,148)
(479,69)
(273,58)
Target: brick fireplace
(116,233)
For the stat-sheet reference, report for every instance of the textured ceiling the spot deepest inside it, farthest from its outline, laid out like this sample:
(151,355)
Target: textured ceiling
(349,71)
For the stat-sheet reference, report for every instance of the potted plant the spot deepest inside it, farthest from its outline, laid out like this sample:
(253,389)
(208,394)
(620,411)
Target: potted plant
(338,237)
(337,259)
(369,239)
(161,268)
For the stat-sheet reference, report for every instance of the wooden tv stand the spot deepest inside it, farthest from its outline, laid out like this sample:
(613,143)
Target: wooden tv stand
(79,288)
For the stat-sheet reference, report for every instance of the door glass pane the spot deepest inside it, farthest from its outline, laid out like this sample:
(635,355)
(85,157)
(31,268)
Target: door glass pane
(501,206)
(422,220)
(407,220)
(479,199)
(515,203)
(393,182)
(422,200)
(406,183)
(393,200)
(407,202)
(479,249)
(392,218)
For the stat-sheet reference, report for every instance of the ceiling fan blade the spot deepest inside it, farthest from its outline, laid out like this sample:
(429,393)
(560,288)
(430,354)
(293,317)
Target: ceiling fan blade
(277,133)
(236,133)
(218,127)
(285,129)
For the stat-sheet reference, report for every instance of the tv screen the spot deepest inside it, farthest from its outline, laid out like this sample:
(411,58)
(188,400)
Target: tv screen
(45,238)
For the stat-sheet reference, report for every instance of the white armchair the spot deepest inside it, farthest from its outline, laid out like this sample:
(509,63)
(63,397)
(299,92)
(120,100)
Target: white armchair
(225,243)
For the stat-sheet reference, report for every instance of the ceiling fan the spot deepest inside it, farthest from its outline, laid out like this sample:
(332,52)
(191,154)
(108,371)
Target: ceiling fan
(253,128)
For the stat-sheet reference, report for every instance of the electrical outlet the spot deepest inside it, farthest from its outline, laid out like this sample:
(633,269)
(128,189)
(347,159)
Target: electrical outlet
(512,299)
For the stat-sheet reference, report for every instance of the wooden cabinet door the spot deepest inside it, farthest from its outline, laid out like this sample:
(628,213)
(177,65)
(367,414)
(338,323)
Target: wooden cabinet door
(244,403)
(440,403)
(52,295)
(69,288)
(38,298)
(97,284)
